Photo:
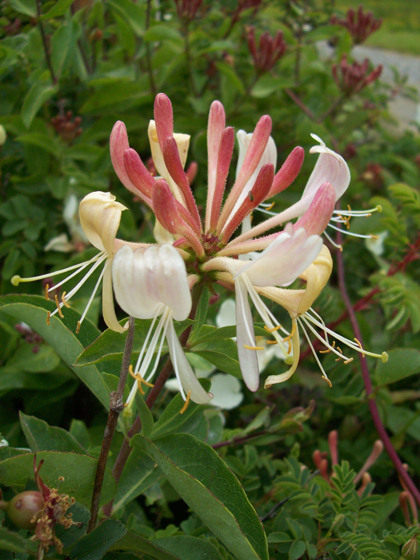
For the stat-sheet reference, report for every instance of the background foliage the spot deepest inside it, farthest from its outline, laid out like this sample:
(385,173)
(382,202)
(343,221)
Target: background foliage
(69,71)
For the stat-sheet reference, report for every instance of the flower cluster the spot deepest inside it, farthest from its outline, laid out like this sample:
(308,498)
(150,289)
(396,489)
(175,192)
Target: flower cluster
(352,78)
(359,24)
(269,50)
(155,281)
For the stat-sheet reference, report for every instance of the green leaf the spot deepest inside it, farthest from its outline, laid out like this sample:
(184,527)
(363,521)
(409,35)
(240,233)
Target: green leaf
(402,363)
(41,437)
(60,334)
(170,419)
(221,353)
(189,548)
(134,14)
(146,416)
(94,545)
(27,7)
(61,42)
(297,550)
(41,141)
(116,92)
(139,473)
(12,541)
(110,345)
(202,309)
(161,33)
(231,76)
(35,98)
(267,85)
(78,472)
(206,484)
(138,544)
(59,9)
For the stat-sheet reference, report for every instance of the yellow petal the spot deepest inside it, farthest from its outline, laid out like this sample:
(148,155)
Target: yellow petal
(273,379)
(100,217)
(108,309)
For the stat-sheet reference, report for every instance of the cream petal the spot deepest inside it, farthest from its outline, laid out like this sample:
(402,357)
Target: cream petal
(108,309)
(245,337)
(176,292)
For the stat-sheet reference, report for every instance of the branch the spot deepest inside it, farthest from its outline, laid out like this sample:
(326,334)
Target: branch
(44,43)
(368,383)
(115,408)
(148,53)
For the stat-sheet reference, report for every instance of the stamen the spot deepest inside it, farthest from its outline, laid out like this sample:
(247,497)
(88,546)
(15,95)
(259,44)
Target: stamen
(273,329)
(374,236)
(58,307)
(352,234)
(360,346)
(324,375)
(63,299)
(48,317)
(46,292)
(348,361)
(78,327)
(328,350)
(270,206)
(333,243)
(187,402)
(324,341)
(253,347)
(271,342)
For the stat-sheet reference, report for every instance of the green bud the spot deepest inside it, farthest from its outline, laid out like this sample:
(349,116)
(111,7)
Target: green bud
(23,507)
(3,135)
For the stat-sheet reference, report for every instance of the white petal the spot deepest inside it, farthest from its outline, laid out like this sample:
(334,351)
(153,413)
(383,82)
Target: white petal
(226,315)
(183,370)
(331,168)
(176,292)
(226,390)
(245,337)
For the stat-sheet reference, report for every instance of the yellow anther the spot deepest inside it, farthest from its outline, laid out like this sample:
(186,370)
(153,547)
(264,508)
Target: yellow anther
(131,371)
(186,403)
(360,346)
(47,287)
(253,347)
(58,307)
(63,299)
(348,361)
(374,236)
(79,324)
(270,207)
(271,342)
(339,349)
(327,380)
(328,350)
(290,336)
(251,217)
(48,317)
(273,329)
(16,280)
(349,207)
(139,380)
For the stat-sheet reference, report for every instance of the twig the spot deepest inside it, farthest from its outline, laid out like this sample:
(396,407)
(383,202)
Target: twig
(44,43)
(300,104)
(368,384)
(282,502)
(116,407)
(239,440)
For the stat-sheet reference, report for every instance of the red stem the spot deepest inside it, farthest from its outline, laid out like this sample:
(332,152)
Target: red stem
(367,381)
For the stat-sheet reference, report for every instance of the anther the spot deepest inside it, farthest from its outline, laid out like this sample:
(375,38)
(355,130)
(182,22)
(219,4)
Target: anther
(47,297)
(253,347)
(271,342)
(79,324)
(273,329)
(48,317)
(327,380)
(58,307)
(348,361)
(63,299)
(360,346)
(270,207)
(187,401)
(374,236)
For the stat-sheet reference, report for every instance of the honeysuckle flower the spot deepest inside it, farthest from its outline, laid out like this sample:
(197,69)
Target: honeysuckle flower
(207,248)
(151,283)
(100,216)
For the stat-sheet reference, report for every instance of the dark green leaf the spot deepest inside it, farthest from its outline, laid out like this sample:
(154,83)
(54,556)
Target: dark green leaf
(35,98)
(42,437)
(161,33)
(206,484)
(221,353)
(60,334)
(10,540)
(94,545)
(297,550)
(61,42)
(134,14)
(202,309)
(27,7)
(59,9)
(189,548)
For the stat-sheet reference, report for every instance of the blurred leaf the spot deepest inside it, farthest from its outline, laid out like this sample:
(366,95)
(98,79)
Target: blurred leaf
(42,437)
(134,14)
(61,42)
(94,545)
(402,363)
(59,9)
(78,472)
(221,353)
(12,541)
(27,7)
(35,98)
(32,310)
(206,484)
(267,85)
(161,33)
(189,548)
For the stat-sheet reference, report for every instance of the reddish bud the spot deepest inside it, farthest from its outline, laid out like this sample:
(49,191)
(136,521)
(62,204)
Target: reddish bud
(24,507)
(360,25)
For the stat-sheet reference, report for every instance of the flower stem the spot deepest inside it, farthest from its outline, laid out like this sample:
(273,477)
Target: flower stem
(166,371)
(44,43)
(148,52)
(115,408)
(368,383)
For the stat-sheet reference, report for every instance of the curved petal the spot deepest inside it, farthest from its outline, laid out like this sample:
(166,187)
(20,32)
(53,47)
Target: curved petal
(183,371)
(245,337)
(273,379)
(108,309)
(330,167)
(176,292)
(100,217)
